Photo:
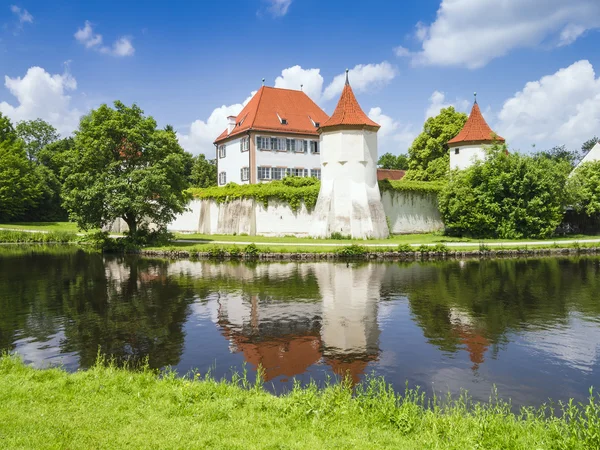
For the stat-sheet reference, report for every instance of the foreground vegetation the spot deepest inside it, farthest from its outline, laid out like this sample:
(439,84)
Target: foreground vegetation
(21,237)
(107,407)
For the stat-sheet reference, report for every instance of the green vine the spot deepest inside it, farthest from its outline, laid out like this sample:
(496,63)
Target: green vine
(425,187)
(291,190)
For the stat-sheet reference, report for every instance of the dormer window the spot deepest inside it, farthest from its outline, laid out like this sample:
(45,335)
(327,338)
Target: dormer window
(315,124)
(282,121)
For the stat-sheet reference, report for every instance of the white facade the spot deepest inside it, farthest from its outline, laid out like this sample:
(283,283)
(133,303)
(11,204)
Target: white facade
(464,156)
(282,157)
(593,155)
(231,159)
(349,200)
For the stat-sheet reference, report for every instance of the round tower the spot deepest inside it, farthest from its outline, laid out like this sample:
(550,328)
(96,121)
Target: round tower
(469,145)
(349,201)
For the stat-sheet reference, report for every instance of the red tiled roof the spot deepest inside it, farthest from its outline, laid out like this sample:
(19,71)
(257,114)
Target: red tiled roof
(261,113)
(348,112)
(390,174)
(476,129)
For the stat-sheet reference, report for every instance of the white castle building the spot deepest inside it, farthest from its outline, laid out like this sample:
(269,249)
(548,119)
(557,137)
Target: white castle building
(469,145)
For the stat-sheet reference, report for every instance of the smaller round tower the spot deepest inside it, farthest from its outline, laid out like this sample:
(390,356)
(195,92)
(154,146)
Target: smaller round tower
(349,201)
(468,146)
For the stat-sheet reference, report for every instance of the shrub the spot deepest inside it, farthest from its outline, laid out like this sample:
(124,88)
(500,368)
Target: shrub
(251,251)
(440,248)
(352,250)
(406,248)
(339,236)
(423,248)
(584,189)
(509,196)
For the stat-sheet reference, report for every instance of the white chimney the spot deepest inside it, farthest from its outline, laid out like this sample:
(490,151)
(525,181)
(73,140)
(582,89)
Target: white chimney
(230,124)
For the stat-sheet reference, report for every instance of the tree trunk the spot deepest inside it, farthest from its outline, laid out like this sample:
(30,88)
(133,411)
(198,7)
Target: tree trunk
(131,223)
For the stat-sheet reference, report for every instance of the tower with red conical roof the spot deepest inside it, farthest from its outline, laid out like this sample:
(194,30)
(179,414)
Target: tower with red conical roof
(349,201)
(469,145)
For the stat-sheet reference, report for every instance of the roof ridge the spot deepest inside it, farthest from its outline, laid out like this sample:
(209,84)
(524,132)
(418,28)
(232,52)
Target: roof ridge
(476,129)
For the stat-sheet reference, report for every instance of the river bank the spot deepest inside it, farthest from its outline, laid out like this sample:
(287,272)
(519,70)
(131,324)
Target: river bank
(108,407)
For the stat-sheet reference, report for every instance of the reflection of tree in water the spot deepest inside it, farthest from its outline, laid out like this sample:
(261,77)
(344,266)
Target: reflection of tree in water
(475,304)
(129,308)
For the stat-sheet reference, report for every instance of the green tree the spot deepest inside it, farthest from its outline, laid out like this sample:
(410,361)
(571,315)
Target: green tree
(7,131)
(36,134)
(584,189)
(122,166)
(389,161)
(19,187)
(204,172)
(589,144)
(508,196)
(560,153)
(428,155)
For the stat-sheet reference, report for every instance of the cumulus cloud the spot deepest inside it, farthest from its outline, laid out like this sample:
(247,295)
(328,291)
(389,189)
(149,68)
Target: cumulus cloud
(401,52)
(202,133)
(471,33)
(438,101)
(42,95)
(22,14)
(91,40)
(562,108)
(362,78)
(310,79)
(394,137)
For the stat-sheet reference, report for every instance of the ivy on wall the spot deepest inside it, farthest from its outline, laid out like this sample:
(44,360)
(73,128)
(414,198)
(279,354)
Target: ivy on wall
(297,190)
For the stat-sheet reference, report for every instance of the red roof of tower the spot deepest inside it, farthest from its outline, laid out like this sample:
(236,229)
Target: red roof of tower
(348,111)
(476,130)
(269,105)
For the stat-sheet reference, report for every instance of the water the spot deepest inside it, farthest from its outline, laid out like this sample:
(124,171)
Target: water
(529,327)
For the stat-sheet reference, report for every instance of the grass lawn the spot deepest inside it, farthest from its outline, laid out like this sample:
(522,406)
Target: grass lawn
(111,408)
(41,226)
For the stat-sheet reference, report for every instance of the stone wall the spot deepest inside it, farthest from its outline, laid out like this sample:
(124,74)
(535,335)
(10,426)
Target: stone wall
(407,212)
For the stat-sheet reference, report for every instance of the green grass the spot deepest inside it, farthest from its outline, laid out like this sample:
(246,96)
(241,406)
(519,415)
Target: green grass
(20,237)
(41,226)
(107,407)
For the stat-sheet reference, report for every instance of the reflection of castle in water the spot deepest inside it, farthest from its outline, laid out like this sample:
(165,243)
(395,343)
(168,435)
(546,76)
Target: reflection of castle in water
(287,337)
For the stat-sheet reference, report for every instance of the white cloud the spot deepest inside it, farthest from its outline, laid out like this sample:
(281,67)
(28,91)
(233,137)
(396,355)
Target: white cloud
(202,133)
(293,77)
(393,137)
(471,33)
(22,14)
(278,8)
(562,108)
(438,101)
(362,78)
(401,52)
(87,37)
(42,95)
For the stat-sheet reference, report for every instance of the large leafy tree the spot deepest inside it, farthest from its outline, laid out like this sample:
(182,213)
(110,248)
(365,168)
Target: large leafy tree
(19,187)
(204,172)
(389,161)
(584,189)
(589,144)
(36,134)
(7,131)
(507,196)
(122,166)
(428,155)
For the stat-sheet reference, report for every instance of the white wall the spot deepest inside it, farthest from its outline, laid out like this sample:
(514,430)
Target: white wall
(407,212)
(274,158)
(593,155)
(234,160)
(411,212)
(467,155)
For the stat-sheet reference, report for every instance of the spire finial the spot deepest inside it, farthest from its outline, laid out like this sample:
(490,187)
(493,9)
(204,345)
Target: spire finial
(263,80)
(347,82)
(475,95)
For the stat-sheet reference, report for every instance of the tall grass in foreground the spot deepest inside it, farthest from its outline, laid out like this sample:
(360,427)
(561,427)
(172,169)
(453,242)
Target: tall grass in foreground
(18,237)
(110,407)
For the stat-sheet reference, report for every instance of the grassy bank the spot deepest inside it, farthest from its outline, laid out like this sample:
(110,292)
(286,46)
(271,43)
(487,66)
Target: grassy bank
(69,227)
(19,237)
(106,407)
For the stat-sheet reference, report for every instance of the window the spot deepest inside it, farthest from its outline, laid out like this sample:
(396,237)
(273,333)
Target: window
(305,146)
(264,173)
(221,151)
(283,121)
(456,151)
(277,173)
(245,144)
(262,143)
(290,145)
(314,147)
(278,144)
(315,173)
(222,178)
(245,173)
(295,172)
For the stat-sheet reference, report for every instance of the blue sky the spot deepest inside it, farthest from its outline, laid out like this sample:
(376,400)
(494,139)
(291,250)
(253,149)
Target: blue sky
(190,64)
